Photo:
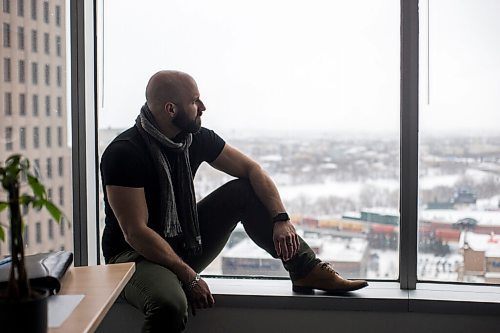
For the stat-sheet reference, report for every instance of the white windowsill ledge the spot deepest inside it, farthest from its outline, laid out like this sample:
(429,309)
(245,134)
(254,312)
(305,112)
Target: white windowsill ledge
(377,297)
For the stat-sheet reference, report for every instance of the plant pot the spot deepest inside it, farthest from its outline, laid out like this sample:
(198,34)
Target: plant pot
(24,315)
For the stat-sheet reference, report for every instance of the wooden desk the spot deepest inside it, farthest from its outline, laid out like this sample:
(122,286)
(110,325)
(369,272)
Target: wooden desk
(101,286)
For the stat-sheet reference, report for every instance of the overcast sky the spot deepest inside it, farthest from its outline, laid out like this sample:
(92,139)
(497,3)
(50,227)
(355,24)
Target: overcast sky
(312,65)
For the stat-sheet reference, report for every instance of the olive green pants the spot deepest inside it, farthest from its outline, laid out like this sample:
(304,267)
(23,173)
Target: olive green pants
(158,293)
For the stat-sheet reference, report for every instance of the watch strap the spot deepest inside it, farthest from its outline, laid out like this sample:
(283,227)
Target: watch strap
(281,217)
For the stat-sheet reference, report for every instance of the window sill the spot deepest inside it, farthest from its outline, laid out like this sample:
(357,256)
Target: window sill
(378,297)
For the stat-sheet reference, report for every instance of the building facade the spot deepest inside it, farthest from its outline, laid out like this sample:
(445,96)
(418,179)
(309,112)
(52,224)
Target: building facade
(34,113)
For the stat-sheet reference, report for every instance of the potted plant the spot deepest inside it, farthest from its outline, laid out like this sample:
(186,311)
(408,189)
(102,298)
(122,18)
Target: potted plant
(16,176)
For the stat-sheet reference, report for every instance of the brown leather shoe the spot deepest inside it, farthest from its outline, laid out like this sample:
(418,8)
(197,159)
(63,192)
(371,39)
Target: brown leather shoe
(324,277)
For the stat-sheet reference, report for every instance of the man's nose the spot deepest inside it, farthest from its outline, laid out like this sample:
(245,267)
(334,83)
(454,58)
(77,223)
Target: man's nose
(201,106)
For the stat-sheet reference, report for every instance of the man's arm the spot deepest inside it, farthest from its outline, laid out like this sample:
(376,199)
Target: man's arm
(237,164)
(130,208)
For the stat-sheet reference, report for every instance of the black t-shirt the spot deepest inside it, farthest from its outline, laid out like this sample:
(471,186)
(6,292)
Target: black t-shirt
(127,162)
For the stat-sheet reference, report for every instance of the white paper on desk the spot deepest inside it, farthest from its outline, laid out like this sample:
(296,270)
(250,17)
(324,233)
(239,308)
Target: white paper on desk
(60,307)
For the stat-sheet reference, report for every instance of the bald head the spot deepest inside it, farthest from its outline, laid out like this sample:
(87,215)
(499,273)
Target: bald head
(167,86)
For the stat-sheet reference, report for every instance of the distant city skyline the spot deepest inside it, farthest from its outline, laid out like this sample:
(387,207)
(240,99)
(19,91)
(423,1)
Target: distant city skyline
(326,66)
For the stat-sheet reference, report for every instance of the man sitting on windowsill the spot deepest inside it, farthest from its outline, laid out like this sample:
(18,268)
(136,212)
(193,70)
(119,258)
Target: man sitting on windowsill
(152,217)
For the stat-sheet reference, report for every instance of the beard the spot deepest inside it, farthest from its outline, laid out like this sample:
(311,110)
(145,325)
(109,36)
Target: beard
(185,124)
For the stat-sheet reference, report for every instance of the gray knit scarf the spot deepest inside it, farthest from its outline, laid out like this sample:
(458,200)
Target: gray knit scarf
(178,207)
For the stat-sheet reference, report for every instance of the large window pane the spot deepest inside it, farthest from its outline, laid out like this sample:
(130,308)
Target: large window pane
(309,90)
(459,141)
(23,129)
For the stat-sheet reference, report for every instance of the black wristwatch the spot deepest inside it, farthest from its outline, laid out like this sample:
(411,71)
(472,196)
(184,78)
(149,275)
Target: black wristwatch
(281,217)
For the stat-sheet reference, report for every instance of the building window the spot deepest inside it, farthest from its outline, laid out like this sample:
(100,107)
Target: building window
(22,104)
(34,73)
(35,105)
(46,43)
(58,46)
(49,171)
(59,106)
(6,6)
(47,105)
(49,194)
(6,70)
(38,171)
(22,137)
(61,228)
(51,229)
(34,41)
(20,8)
(46,11)
(8,103)
(48,137)
(6,35)
(60,166)
(26,236)
(58,16)
(8,138)
(59,136)
(36,137)
(33,9)
(20,38)
(59,76)
(61,195)
(47,75)
(22,72)
(38,231)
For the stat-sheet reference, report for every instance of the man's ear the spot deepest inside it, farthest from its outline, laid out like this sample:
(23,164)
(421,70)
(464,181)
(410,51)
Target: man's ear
(170,109)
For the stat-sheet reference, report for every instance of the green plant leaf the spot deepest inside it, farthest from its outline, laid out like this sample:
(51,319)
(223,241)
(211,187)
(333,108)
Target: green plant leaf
(3,205)
(37,188)
(53,210)
(2,234)
(26,199)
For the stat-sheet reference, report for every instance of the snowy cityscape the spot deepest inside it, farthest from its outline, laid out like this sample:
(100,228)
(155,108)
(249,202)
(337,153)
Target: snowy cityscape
(342,193)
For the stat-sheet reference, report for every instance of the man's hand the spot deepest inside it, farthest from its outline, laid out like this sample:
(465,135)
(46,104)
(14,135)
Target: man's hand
(200,297)
(286,240)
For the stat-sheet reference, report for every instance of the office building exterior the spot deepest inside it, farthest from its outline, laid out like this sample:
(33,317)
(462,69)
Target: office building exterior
(34,113)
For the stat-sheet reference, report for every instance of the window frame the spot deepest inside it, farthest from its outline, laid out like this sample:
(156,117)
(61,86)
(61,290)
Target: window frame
(84,134)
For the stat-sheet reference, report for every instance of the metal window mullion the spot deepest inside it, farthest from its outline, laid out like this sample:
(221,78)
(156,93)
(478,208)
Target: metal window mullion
(409,144)
(79,223)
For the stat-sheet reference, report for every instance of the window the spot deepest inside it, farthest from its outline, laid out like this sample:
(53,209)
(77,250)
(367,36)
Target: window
(6,6)
(34,73)
(47,105)
(459,184)
(62,228)
(46,12)
(8,104)
(20,8)
(61,195)
(6,35)
(26,236)
(48,137)
(36,137)
(59,76)
(22,72)
(59,106)
(47,75)
(46,43)
(37,167)
(33,9)
(49,175)
(22,137)
(332,184)
(51,229)
(59,136)
(34,41)
(60,166)
(22,104)
(38,231)
(35,105)
(8,138)
(58,16)
(20,38)
(6,70)
(58,46)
